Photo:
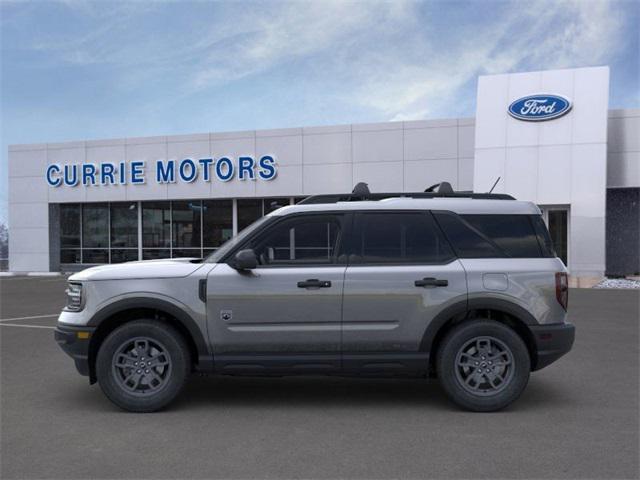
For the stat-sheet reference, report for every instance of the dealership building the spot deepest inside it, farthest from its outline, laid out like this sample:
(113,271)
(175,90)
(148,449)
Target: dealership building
(547,137)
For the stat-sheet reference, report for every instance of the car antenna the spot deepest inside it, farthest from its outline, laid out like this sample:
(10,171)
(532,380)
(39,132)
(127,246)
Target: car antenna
(494,185)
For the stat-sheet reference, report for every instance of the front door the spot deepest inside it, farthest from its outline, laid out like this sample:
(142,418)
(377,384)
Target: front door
(286,313)
(401,274)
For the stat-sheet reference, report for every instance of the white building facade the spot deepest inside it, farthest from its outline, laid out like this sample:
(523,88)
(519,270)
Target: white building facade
(547,137)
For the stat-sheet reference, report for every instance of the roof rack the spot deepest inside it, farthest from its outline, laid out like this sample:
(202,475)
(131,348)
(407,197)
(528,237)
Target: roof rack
(439,190)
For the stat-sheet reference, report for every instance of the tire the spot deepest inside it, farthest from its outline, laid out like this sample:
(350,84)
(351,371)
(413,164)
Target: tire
(143,365)
(483,365)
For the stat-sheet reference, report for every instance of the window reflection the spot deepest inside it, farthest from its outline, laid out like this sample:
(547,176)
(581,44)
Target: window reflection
(186,225)
(156,224)
(249,210)
(217,222)
(124,225)
(95,225)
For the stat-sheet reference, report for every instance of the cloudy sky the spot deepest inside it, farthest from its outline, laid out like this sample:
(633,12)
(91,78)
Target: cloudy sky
(76,70)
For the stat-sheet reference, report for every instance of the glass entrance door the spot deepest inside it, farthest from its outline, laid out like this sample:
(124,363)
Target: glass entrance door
(557,220)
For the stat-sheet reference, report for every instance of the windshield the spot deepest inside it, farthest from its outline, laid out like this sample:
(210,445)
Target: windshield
(227,246)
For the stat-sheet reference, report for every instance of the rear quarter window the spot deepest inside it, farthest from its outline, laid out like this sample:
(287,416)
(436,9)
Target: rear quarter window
(485,236)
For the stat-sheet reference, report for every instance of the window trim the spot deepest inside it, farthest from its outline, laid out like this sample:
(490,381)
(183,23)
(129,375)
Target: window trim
(357,215)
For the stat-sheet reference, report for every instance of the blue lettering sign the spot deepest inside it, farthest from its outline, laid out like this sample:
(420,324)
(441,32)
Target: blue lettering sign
(206,168)
(51,180)
(106,173)
(137,172)
(71,175)
(245,168)
(166,171)
(165,174)
(189,174)
(221,165)
(267,168)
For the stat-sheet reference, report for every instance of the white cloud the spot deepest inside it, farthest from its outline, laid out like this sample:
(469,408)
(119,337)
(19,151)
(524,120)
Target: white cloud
(293,31)
(536,35)
(389,57)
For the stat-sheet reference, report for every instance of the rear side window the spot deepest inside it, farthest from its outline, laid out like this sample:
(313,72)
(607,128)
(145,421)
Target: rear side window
(398,237)
(466,240)
(483,236)
(544,239)
(514,234)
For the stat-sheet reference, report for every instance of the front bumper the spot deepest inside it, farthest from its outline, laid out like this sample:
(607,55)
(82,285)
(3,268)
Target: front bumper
(552,342)
(75,343)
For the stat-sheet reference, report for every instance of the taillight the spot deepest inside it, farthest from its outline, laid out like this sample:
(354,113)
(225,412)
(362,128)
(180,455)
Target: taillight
(562,289)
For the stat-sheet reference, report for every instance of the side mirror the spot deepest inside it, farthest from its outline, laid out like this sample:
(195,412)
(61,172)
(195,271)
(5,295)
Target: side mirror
(245,260)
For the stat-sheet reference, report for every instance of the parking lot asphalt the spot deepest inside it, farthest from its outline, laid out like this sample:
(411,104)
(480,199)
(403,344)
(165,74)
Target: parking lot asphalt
(578,418)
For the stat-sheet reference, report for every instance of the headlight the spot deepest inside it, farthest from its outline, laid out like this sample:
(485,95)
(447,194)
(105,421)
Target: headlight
(74,297)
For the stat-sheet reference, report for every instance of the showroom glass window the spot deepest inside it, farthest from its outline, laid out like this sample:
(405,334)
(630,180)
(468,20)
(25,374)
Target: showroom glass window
(156,230)
(186,227)
(249,210)
(124,231)
(217,223)
(95,233)
(271,204)
(70,233)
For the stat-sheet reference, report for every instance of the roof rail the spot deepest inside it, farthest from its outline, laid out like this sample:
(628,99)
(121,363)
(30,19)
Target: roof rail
(442,187)
(361,192)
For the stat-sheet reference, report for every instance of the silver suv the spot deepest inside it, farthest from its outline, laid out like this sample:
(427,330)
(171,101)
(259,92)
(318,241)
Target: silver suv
(464,287)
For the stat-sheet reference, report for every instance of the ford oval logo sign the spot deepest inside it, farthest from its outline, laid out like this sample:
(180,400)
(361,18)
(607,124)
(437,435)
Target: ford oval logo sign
(536,108)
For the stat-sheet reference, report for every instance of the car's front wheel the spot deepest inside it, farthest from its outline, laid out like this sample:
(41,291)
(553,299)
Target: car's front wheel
(483,365)
(143,365)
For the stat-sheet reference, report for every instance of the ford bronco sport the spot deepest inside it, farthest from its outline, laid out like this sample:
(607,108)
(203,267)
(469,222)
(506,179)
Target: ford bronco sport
(461,286)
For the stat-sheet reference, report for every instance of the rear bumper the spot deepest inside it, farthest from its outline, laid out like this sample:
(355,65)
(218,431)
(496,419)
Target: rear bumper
(74,345)
(552,342)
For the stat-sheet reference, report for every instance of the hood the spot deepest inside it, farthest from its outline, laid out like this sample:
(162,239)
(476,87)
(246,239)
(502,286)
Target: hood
(167,268)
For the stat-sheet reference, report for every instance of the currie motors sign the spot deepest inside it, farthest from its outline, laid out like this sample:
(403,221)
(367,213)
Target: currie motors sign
(187,170)
(540,107)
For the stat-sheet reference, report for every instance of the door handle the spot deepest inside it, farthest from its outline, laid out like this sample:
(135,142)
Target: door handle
(314,283)
(431,282)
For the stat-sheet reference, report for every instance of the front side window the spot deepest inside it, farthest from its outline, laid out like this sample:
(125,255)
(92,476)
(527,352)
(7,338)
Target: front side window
(304,240)
(398,237)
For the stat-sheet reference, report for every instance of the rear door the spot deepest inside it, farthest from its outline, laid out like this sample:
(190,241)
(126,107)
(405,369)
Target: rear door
(401,274)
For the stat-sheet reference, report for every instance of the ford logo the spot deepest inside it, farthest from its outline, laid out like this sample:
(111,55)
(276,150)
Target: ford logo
(536,108)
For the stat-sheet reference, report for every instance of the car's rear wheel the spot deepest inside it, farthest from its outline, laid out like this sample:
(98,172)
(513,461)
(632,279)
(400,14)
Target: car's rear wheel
(143,365)
(483,365)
